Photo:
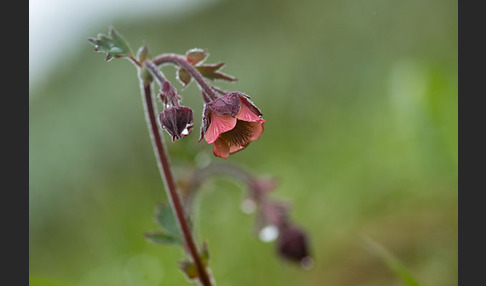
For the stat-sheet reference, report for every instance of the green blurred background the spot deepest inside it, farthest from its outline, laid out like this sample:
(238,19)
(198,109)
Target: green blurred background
(360,102)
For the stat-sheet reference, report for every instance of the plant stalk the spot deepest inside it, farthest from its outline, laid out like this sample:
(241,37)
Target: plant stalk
(181,62)
(169,182)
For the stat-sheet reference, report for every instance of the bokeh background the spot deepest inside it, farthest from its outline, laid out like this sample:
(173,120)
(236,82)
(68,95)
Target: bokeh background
(360,99)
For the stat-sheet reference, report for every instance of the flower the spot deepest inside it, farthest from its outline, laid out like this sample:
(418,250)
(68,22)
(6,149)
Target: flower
(292,244)
(177,121)
(230,123)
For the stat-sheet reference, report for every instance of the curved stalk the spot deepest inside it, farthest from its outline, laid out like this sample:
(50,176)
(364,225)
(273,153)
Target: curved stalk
(181,62)
(169,182)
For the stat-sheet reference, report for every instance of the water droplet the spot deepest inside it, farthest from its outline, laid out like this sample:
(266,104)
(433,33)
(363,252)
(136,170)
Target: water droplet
(248,206)
(307,263)
(268,233)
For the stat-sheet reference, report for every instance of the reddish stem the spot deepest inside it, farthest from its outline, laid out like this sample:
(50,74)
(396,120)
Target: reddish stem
(169,182)
(135,61)
(159,76)
(188,67)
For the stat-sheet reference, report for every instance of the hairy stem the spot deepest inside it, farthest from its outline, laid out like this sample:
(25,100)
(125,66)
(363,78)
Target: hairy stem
(181,62)
(159,76)
(135,61)
(155,72)
(257,187)
(169,182)
(227,169)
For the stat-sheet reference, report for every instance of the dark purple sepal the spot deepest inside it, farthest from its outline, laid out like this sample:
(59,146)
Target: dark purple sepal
(177,121)
(205,121)
(228,104)
(292,243)
(171,96)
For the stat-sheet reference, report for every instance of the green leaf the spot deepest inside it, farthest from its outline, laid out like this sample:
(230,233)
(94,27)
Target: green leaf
(184,77)
(211,72)
(161,237)
(165,217)
(114,45)
(189,268)
(393,263)
(195,56)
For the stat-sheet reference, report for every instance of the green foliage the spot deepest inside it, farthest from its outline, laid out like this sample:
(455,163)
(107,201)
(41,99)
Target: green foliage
(114,45)
(165,217)
(170,233)
(161,237)
(212,72)
(393,263)
(189,268)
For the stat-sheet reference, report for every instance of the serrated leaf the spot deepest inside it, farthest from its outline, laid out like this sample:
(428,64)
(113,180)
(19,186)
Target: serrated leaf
(211,72)
(165,217)
(195,56)
(189,268)
(114,45)
(119,41)
(161,237)
(184,77)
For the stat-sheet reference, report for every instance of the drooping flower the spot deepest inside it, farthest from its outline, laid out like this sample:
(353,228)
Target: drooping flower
(230,123)
(292,243)
(177,121)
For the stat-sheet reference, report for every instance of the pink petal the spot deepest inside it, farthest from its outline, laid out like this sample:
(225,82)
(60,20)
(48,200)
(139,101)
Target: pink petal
(219,124)
(221,149)
(234,149)
(256,130)
(246,114)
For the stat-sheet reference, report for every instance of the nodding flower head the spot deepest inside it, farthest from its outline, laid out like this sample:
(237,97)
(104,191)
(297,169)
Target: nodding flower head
(292,244)
(177,121)
(230,123)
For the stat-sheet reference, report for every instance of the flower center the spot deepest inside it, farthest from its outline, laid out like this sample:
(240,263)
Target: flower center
(238,136)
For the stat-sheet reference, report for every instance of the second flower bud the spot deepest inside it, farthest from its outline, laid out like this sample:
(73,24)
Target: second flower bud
(177,121)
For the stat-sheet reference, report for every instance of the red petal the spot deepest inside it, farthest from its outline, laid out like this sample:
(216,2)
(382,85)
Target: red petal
(221,148)
(234,149)
(246,114)
(219,124)
(256,130)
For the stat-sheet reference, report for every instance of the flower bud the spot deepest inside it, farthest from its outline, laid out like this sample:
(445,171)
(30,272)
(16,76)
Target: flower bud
(292,244)
(177,121)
